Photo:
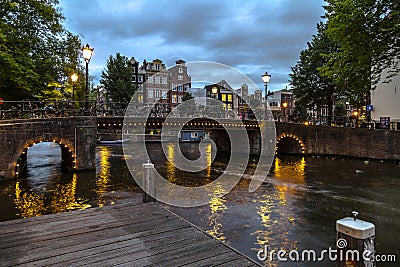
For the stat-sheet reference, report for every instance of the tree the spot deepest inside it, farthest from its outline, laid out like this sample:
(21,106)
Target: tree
(368,32)
(187,96)
(117,80)
(309,86)
(36,51)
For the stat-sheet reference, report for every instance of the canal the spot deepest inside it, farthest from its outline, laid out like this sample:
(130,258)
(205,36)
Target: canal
(294,209)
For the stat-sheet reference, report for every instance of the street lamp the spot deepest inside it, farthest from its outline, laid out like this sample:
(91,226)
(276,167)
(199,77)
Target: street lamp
(214,91)
(87,52)
(284,105)
(266,77)
(74,79)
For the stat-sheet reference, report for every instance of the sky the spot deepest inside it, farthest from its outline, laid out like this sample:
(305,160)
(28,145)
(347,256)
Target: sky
(249,35)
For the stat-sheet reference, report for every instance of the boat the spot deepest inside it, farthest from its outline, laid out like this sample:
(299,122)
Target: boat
(113,142)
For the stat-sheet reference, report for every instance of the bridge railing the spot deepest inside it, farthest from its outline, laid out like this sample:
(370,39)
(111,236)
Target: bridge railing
(27,109)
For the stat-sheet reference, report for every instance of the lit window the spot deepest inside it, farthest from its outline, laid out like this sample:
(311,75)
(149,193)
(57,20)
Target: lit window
(229,98)
(223,97)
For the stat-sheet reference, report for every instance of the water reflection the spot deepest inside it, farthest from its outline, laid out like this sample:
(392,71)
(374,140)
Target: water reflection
(47,189)
(103,178)
(170,164)
(217,208)
(64,199)
(277,215)
(28,204)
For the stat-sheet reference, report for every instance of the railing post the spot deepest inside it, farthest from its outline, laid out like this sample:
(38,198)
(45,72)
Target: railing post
(355,242)
(148,193)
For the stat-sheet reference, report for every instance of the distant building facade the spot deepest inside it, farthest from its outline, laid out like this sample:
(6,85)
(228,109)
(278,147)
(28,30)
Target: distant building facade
(179,83)
(385,101)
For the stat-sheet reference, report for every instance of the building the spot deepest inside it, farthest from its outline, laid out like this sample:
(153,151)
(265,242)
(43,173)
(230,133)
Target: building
(179,83)
(223,92)
(156,87)
(281,103)
(385,101)
(139,78)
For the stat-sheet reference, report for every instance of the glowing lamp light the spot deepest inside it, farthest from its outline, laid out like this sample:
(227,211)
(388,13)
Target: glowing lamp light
(266,77)
(87,52)
(74,77)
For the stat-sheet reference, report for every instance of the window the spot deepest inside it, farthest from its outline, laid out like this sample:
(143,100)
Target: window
(157,93)
(164,94)
(180,70)
(180,77)
(229,98)
(173,86)
(179,99)
(224,105)
(161,80)
(223,97)
(187,86)
(150,93)
(140,78)
(134,79)
(140,98)
(194,135)
(174,99)
(180,88)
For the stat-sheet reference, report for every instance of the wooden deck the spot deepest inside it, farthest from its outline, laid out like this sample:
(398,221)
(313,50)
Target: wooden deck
(129,234)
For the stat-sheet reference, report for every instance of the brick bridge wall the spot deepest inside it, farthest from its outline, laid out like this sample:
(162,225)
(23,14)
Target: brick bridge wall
(76,137)
(309,140)
(343,141)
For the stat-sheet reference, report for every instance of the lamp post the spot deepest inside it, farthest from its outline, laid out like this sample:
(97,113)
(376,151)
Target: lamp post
(284,105)
(87,52)
(74,79)
(214,91)
(266,77)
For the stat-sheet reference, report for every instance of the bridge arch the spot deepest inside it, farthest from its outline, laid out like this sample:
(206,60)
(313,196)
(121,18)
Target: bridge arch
(289,143)
(68,155)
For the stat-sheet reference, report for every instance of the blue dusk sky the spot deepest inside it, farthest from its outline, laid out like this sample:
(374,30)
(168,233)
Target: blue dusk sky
(251,36)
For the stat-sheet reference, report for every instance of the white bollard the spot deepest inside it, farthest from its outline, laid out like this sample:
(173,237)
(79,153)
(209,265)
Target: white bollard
(355,242)
(148,194)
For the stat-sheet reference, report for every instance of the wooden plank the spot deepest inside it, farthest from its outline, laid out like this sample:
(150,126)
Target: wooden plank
(129,234)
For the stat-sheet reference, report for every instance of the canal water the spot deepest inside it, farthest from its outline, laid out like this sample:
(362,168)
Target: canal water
(295,208)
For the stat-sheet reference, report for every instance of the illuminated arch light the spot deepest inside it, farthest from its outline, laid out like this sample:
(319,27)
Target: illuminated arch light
(285,135)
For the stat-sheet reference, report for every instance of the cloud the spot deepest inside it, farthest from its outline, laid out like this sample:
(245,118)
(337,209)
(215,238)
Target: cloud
(248,35)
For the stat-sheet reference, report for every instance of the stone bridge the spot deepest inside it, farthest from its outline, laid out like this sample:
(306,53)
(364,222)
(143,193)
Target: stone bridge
(76,137)
(291,138)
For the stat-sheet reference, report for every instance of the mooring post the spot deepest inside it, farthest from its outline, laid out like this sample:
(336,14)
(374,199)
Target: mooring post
(148,183)
(355,242)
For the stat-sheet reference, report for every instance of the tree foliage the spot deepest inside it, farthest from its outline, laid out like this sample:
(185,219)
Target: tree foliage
(36,52)
(368,32)
(117,79)
(311,88)
(187,96)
